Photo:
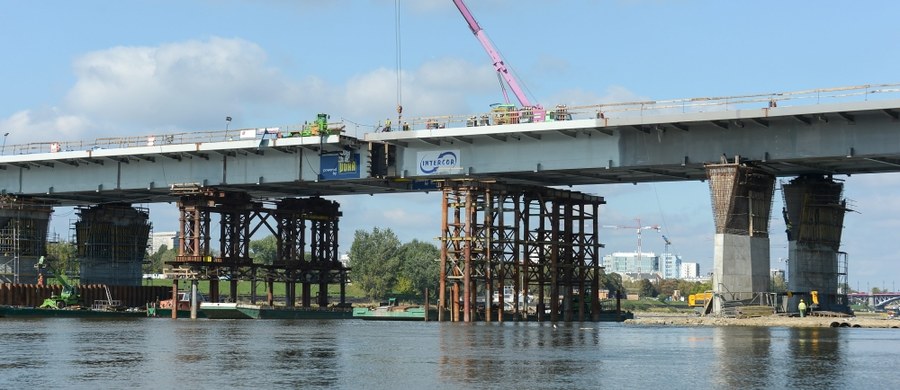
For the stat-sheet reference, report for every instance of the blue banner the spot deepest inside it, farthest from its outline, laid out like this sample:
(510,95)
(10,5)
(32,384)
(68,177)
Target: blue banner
(339,166)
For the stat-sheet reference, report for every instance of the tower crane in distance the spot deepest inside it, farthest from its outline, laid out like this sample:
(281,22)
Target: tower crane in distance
(667,242)
(638,229)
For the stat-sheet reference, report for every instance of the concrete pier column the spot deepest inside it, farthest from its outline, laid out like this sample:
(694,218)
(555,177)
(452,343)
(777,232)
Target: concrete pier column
(742,203)
(814,219)
(23,237)
(111,242)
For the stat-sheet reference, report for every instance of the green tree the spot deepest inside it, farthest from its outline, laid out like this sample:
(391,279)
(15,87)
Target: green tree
(62,255)
(263,251)
(778,284)
(647,289)
(701,287)
(374,261)
(667,287)
(419,268)
(157,261)
(612,282)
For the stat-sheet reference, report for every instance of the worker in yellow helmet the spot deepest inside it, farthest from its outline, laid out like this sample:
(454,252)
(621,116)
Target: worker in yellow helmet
(802,308)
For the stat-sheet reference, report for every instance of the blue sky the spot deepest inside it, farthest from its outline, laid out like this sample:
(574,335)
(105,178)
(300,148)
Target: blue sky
(91,69)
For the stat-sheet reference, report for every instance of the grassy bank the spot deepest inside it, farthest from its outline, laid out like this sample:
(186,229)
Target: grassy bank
(655,306)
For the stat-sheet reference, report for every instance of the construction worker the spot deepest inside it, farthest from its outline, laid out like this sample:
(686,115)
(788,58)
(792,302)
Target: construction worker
(405,126)
(802,307)
(387,124)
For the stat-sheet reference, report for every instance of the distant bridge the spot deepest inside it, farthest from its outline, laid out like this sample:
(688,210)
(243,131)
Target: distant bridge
(875,301)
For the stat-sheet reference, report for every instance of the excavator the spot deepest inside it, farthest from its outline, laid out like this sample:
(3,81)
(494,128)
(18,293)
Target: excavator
(67,297)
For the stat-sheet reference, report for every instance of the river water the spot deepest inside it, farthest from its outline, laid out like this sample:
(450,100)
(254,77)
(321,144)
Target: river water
(162,353)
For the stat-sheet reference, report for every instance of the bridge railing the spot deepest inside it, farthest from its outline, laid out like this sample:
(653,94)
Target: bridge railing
(500,115)
(661,107)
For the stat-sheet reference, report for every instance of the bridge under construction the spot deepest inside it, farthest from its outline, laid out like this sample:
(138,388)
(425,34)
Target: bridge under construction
(505,221)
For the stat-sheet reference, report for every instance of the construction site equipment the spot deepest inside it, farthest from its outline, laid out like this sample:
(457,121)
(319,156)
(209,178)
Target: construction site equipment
(67,297)
(536,111)
(699,299)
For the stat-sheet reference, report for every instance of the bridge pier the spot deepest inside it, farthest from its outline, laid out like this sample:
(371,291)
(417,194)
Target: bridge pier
(814,219)
(503,239)
(111,242)
(742,202)
(23,235)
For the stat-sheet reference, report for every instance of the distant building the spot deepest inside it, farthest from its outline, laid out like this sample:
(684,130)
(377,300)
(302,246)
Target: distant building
(645,266)
(775,272)
(631,263)
(157,240)
(689,271)
(670,265)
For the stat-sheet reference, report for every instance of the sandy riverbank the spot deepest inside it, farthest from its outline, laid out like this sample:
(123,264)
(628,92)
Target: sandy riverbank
(774,320)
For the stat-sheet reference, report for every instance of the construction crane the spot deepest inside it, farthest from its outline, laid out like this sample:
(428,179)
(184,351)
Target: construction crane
(667,242)
(537,110)
(638,229)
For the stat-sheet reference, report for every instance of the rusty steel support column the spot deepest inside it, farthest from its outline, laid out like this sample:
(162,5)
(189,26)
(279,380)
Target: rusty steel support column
(442,278)
(174,298)
(595,245)
(468,294)
(550,247)
(270,294)
(323,266)
(553,215)
(484,256)
(214,290)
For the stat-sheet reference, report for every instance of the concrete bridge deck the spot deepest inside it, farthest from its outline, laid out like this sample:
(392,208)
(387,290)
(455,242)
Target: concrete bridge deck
(840,138)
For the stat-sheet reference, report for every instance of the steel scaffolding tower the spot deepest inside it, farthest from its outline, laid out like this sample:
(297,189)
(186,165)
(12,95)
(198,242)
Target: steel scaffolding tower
(531,238)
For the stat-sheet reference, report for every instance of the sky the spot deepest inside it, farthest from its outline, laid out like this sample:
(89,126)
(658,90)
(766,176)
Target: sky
(94,69)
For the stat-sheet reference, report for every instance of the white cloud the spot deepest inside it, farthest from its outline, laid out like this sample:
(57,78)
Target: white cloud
(180,84)
(43,125)
(193,85)
(438,87)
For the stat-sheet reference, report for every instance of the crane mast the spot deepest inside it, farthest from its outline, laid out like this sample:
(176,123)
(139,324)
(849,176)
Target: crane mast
(639,228)
(499,64)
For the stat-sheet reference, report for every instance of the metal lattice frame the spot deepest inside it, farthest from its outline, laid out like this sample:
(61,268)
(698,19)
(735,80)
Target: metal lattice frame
(496,235)
(297,222)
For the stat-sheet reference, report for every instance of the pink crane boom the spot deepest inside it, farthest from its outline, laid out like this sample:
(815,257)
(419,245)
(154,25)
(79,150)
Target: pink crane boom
(499,65)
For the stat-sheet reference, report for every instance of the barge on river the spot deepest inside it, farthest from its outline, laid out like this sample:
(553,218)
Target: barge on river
(231,310)
(68,312)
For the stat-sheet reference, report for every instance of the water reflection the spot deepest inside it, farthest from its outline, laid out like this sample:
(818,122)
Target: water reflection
(161,353)
(523,353)
(742,356)
(307,356)
(815,358)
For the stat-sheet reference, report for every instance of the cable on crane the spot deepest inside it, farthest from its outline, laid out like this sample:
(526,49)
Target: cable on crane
(399,58)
